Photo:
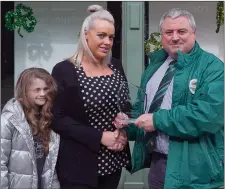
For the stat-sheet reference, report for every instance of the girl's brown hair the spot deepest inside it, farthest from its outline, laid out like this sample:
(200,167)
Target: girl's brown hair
(39,126)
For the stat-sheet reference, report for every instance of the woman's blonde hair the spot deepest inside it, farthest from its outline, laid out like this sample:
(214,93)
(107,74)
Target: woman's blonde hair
(97,12)
(39,125)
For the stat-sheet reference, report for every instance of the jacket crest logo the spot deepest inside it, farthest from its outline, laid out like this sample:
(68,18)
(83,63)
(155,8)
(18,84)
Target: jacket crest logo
(192,85)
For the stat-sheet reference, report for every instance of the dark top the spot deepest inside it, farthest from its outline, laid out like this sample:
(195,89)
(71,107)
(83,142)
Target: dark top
(40,157)
(100,103)
(80,142)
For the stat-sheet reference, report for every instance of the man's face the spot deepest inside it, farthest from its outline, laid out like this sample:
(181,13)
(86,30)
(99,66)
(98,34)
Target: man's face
(177,34)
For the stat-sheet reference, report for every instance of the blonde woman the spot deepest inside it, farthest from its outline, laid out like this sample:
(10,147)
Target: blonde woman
(92,151)
(29,147)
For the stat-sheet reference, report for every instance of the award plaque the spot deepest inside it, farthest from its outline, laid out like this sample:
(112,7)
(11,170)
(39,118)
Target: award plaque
(131,101)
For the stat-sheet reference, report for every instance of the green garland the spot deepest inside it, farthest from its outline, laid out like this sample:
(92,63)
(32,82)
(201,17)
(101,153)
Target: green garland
(153,43)
(21,17)
(219,15)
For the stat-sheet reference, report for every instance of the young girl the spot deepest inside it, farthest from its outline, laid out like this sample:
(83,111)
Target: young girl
(29,148)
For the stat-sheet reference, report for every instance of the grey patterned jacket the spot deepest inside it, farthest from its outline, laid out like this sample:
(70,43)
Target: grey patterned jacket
(18,163)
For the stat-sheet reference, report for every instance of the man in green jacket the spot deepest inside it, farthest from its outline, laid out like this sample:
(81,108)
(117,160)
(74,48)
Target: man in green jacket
(182,131)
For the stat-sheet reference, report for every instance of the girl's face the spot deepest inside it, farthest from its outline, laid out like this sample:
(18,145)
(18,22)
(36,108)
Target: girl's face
(37,92)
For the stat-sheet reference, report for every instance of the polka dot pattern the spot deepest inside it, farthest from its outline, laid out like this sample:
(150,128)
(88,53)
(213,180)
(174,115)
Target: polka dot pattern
(99,95)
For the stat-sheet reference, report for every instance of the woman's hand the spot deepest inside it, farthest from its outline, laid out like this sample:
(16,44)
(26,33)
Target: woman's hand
(109,139)
(119,146)
(121,120)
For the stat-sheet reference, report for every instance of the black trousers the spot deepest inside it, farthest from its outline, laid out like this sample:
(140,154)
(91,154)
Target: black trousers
(109,181)
(104,182)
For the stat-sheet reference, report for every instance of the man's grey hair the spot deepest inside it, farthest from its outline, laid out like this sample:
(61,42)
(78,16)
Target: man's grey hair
(175,13)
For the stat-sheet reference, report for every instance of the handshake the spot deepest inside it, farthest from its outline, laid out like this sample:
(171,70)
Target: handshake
(118,140)
(144,121)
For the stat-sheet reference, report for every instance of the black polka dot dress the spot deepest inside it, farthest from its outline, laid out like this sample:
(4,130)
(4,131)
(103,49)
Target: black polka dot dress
(100,102)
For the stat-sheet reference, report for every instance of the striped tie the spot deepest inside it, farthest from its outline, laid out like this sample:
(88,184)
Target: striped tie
(150,137)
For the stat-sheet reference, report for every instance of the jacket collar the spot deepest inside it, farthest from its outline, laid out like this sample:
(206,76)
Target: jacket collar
(19,120)
(183,59)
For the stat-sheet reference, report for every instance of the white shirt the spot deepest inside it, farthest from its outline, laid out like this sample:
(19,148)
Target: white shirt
(162,141)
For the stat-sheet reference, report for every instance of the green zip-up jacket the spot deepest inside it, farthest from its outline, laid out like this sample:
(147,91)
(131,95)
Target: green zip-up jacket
(196,117)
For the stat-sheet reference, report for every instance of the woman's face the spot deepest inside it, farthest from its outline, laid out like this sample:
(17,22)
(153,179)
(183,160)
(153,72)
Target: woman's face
(100,38)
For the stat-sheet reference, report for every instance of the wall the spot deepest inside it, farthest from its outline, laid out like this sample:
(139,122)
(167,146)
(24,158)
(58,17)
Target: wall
(55,35)
(205,18)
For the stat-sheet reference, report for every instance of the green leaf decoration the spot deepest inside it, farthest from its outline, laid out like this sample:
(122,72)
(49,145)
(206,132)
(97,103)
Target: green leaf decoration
(153,43)
(22,17)
(219,15)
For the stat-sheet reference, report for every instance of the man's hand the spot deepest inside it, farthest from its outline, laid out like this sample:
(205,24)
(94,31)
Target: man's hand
(145,121)
(118,146)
